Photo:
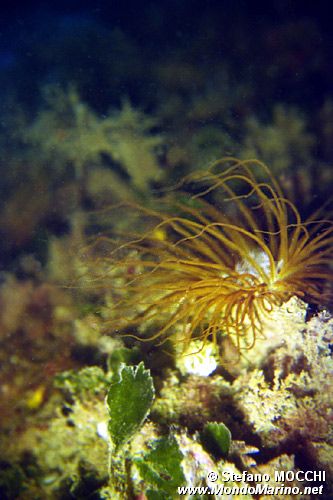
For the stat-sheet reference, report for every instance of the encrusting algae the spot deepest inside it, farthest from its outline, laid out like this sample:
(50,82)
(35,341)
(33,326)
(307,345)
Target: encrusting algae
(219,261)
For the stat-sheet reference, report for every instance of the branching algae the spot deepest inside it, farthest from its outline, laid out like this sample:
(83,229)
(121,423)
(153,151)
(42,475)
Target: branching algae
(219,262)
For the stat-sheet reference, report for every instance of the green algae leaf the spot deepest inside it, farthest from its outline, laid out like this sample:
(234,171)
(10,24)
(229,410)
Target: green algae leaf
(161,468)
(216,438)
(129,399)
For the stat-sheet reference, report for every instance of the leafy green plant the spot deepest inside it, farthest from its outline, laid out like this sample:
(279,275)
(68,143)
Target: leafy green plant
(129,399)
(161,468)
(216,438)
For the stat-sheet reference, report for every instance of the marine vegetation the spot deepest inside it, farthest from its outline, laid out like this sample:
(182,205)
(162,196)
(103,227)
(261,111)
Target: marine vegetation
(216,259)
(69,134)
(285,144)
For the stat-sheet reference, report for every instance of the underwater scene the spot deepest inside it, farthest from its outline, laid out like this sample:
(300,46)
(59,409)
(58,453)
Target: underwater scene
(166,250)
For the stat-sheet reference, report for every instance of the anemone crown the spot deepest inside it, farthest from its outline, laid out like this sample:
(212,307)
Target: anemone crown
(220,261)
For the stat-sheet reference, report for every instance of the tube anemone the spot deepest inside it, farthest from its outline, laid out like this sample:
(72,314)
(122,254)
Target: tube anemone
(219,262)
